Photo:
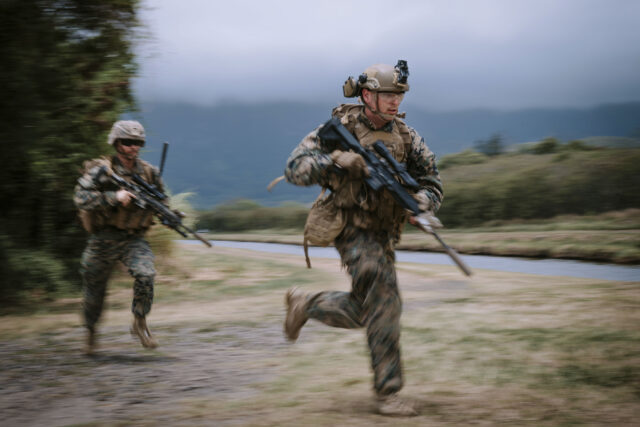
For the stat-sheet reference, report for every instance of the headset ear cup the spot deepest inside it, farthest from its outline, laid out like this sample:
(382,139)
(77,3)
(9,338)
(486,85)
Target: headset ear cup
(350,88)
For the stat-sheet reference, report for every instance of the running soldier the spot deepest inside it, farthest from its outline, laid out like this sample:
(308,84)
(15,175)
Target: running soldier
(366,225)
(117,228)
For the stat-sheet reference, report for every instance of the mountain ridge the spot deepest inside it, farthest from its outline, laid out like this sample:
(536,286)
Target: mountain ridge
(233,151)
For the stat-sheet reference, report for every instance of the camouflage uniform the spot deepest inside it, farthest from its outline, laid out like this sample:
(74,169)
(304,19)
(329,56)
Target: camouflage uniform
(366,243)
(118,235)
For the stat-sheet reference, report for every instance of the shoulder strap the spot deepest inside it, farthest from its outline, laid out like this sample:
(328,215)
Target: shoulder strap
(274,182)
(404,132)
(147,170)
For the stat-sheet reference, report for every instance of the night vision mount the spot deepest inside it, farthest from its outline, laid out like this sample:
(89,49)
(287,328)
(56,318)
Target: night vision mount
(403,71)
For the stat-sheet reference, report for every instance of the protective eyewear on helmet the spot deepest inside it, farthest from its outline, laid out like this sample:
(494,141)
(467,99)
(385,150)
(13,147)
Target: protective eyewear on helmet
(130,142)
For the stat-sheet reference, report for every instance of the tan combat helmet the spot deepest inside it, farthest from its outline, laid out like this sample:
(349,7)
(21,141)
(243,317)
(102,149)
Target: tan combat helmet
(379,78)
(126,129)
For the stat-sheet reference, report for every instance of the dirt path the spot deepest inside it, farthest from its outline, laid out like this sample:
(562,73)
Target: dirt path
(51,383)
(223,359)
(210,350)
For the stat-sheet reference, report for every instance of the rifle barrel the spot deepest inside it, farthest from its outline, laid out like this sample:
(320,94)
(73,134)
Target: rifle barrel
(165,146)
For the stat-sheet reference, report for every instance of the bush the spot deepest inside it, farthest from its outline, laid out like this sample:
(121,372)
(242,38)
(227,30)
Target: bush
(493,146)
(578,145)
(466,157)
(546,146)
(242,215)
(526,187)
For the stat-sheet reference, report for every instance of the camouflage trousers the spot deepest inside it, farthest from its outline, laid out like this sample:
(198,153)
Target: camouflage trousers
(374,302)
(103,250)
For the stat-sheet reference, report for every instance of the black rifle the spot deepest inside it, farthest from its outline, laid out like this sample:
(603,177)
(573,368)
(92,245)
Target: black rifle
(382,174)
(147,196)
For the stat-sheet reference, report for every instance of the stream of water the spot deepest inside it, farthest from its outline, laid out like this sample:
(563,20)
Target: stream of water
(547,267)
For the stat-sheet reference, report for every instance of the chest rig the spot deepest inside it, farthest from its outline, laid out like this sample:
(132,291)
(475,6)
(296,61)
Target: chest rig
(130,218)
(366,208)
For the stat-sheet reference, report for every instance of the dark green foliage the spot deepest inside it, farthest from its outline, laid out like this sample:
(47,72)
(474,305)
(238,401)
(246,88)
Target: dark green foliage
(511,186)
(233,150)
(493,146)
(541,186)
(577,145)
(546,146)
(466,157)
(245,215)
(65,74)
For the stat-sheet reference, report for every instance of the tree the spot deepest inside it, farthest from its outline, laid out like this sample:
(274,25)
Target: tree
(65,79)
(491,147)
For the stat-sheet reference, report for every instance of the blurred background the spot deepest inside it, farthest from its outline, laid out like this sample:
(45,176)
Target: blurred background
(532,108)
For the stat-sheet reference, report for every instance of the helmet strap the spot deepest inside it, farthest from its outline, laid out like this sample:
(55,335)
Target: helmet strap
(122,154)
(375,111)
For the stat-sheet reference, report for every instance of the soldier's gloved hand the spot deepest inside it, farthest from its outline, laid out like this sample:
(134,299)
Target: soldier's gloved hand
(352,163)
(426,217)
(124,197)
(424,203)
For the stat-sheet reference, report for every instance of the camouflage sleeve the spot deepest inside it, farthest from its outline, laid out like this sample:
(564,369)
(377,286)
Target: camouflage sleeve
(421,164)
(91,192)
(309,163)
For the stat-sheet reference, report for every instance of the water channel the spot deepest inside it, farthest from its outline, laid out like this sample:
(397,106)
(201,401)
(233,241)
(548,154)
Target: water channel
(547,267)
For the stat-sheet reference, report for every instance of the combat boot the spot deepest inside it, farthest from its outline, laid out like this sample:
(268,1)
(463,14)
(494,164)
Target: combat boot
(140,329)
(296,303)
(90,346)
(394,405)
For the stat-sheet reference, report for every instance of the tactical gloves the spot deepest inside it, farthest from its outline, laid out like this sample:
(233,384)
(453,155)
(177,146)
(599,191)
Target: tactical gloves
(424,202)
(350,162)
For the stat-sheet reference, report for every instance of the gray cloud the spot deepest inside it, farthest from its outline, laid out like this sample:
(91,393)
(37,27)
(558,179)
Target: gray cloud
(462,54)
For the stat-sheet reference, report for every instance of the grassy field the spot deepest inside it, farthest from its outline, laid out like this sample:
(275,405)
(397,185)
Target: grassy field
(611,237)
(494,349)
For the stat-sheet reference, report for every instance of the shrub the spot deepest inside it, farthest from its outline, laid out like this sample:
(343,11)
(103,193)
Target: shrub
(466,157)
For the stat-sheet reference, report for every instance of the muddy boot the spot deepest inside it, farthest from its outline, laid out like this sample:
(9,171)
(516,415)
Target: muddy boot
(394,405)
(90,346)
(139,329)
(296,316)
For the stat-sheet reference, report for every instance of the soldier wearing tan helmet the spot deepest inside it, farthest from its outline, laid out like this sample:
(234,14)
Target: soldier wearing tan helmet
(117,228)
(364,225)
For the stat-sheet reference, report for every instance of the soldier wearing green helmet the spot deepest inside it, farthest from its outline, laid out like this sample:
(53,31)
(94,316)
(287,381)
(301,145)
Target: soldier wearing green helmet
(365,225)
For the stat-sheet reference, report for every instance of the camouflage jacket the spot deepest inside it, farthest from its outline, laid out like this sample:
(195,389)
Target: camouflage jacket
(310,163)
(95,196)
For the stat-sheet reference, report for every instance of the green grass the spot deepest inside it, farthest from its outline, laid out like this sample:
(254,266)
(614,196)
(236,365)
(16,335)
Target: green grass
(494,349)
(608,237)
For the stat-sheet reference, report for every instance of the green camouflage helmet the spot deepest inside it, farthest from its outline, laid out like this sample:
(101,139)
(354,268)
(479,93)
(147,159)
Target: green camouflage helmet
(379,78)
(126,129)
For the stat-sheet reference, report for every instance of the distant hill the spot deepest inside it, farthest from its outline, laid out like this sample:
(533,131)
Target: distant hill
(233,151)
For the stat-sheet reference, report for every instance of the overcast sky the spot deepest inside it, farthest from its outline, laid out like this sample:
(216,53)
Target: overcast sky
(505,54)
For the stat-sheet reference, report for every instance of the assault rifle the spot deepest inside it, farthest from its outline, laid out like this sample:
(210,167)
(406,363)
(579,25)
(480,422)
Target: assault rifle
(148,196)
(382,174)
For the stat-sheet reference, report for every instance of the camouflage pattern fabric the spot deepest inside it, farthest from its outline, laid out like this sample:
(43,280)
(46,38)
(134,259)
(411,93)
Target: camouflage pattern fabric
(367,253)
(96,193)
(103,250)
(374,302)
(310,163)
(108,244)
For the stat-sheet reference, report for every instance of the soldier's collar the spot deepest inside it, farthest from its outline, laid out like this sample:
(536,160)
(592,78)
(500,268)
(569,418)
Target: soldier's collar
(120,169)
(364,119)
